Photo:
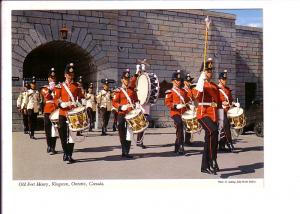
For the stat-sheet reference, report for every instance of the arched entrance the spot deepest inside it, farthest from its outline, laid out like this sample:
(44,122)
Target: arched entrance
(57,54)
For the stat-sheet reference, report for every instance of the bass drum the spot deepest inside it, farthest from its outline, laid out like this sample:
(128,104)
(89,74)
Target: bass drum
(147,88)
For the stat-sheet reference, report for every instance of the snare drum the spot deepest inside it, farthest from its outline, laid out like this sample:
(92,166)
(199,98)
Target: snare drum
(190,122)
(147,88)
(78,119)
(236,117)
(54,116)
(136,121)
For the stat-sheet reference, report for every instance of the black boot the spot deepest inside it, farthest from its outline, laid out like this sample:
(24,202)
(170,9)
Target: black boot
(70,160)
(114,127)
(123,146)
(103,132)
(52,146)
(32,135)
(212,167)
(70,147)
(216,166)
(230,146)
(65,157)
(181,149)
(128,145)
(176,148)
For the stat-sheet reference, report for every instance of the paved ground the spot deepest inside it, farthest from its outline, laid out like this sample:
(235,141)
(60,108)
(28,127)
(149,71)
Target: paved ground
(98,157)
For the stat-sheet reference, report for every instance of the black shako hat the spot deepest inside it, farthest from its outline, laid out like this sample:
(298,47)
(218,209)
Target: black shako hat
(52,73)
(188,78)
(223,75)
(208,65)
(126,74)
(177,75)
(69,68)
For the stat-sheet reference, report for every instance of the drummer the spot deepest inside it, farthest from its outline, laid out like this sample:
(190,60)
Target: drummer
(66,94)
(141,68)
(209,113)
(176,99)
(91,105)
(47,92)
(124,100)
(227,102)
(190,93)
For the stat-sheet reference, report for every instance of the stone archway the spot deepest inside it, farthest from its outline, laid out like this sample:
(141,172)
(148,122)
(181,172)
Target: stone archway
(57,54)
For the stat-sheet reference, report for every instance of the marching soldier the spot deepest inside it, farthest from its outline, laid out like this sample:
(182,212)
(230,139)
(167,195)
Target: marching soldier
(21,106)
(47,92)
(65,98)
(140,68)
(209,113)
(32,103)
(124,100)
(227,101)
(114,111)
(105,104)
(189,91)
(91,106)
(176,100)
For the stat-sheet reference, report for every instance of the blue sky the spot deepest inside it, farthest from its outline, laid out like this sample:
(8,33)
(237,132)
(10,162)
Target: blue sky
(247,17)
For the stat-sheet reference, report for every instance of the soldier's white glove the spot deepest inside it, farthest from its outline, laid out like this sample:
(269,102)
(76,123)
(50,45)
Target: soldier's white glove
(51,85)
(192,107)
(221,118)
(179,106)
(77,104)
(124,107)
(237,105)
(143,67)
(200,83)
(138,69)
(65,104)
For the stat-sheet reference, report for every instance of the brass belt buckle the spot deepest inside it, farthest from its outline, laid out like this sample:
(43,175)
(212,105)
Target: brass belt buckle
(213,104)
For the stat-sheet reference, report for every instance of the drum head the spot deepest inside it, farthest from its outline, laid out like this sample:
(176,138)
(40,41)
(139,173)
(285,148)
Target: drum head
(76,110)
(235,112)
(133,113)
(189,115)
(143,88)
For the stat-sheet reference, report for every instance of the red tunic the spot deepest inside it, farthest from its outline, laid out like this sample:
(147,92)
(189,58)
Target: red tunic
(229,98)
(173,99)
(120,99)
(211,94)
(61,95)
(48,96)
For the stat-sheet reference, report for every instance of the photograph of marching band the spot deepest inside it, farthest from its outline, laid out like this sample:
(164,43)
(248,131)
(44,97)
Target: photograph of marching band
(136,94)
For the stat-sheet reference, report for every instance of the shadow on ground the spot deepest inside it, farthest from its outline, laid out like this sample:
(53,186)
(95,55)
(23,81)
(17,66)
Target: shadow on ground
(244,169)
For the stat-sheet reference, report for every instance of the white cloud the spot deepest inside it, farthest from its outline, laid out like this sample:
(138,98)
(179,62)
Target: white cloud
(254,24)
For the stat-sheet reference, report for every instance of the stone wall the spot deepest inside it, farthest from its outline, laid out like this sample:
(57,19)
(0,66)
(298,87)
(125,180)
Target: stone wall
(172,40)
(107,42)
(249,60)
